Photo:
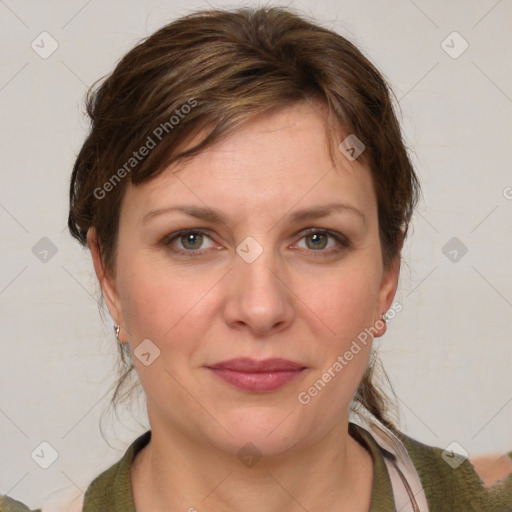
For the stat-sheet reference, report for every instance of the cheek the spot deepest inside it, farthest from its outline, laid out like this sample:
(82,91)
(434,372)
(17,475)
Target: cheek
(346,301)
(158,302)
(152,305)
(343,353)
(345,305)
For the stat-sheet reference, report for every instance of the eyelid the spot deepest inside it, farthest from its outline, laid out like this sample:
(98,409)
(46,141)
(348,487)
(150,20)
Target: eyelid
(339,237)
(167,240)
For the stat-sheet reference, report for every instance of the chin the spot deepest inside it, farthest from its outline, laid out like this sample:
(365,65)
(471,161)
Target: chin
(270,430)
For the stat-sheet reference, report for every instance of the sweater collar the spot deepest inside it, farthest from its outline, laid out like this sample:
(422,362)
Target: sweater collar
(112,490)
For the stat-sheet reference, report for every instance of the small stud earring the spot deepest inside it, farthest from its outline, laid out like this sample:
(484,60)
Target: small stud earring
(116,330)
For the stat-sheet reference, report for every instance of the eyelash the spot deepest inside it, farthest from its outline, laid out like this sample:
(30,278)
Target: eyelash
(342,240)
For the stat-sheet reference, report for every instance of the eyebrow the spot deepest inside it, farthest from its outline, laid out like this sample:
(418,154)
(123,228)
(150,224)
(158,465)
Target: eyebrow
(212,215)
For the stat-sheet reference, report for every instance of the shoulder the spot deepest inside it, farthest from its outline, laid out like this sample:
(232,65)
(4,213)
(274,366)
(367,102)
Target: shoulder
(112,489)
(8,504)
(103,491)
(455,481)
(67,499)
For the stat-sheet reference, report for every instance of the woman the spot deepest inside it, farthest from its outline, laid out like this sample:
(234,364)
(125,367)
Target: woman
(245,194)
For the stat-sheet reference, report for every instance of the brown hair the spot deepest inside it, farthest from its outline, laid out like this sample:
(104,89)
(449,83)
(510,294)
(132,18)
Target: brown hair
(213,71)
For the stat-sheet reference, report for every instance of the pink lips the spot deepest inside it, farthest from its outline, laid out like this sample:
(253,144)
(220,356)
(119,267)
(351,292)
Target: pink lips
(258,376)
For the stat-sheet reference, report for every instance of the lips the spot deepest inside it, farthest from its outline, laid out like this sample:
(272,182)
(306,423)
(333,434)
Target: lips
(257,376)
(246,364)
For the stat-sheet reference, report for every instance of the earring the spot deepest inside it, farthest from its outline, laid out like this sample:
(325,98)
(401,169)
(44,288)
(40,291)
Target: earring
(116,330)
(385,317)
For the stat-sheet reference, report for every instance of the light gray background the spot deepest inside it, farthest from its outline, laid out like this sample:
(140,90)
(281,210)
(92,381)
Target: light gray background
(448,353)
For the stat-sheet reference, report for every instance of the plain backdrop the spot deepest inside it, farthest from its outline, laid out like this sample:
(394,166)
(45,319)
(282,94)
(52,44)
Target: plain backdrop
(448,352)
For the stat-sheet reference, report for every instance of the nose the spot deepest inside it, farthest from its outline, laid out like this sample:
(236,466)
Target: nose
(259,298)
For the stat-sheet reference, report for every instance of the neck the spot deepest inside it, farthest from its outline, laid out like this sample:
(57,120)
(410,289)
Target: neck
(334,473)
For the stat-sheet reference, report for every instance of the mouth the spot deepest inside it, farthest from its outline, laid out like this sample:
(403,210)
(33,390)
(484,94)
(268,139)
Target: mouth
(257,376)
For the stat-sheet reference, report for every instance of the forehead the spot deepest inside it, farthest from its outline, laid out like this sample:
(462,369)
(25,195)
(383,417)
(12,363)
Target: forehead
(273,162)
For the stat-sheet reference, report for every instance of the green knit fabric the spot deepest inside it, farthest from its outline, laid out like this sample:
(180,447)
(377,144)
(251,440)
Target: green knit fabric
(446,489)
(454,490)
(8,504)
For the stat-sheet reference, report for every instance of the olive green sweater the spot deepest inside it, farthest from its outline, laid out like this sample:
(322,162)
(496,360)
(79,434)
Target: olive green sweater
(446,489)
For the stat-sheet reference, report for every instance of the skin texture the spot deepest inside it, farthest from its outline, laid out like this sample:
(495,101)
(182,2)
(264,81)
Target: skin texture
(492,468)
(298,300)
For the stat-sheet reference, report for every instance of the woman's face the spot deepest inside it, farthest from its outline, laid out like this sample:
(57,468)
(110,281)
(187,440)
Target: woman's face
(267,281)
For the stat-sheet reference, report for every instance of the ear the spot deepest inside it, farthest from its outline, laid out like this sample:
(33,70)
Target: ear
(388,286)
(107,282)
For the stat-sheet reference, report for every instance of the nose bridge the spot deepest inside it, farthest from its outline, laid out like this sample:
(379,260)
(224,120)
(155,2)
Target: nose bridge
(257,263)
(259,296)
